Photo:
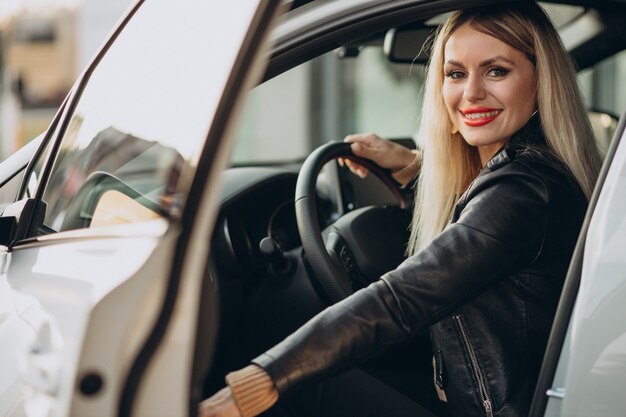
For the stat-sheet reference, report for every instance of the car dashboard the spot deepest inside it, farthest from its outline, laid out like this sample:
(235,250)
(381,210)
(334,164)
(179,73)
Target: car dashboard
(255,203)
(258,304)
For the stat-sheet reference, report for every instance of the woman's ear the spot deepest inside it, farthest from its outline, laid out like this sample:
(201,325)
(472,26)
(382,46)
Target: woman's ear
(453,128)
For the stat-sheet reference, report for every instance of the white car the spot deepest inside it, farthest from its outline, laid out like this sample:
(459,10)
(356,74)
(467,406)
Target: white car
(149,240)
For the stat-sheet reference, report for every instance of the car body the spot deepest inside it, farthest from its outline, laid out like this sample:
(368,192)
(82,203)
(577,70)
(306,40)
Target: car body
(134,273)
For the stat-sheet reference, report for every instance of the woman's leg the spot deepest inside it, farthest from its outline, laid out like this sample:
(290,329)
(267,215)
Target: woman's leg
(352,394)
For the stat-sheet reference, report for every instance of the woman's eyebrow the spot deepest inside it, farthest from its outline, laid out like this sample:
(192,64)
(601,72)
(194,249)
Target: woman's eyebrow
(485,63)
(495,59)
(455,63)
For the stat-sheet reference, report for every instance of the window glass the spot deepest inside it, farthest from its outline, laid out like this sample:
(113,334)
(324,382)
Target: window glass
(15,186)
(29,190)
(387,96)
(604,83)
(275,122)
(326,99)
(140,123)
(601,86)
(35,174)
(9,190)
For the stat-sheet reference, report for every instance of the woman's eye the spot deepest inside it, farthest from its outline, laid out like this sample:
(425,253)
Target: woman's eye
(497,72)
(455,74)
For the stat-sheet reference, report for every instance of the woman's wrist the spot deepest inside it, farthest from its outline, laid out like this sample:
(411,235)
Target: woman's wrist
(252,389)
(410,171)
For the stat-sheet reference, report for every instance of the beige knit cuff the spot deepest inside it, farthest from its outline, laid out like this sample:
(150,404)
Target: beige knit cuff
(253,390)
(409,172)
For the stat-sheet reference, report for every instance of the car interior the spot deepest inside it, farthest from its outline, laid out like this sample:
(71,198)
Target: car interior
(363,78)
(296,231)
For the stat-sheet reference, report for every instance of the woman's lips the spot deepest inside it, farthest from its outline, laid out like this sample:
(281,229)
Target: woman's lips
(479,116)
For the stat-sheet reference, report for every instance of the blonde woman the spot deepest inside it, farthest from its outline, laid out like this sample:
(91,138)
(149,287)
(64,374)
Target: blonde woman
(508,165)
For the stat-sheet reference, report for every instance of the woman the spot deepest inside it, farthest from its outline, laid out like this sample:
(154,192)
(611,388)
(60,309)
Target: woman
(508,165)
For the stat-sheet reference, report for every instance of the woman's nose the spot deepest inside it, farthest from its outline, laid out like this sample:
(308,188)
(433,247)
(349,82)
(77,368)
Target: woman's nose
(474,88)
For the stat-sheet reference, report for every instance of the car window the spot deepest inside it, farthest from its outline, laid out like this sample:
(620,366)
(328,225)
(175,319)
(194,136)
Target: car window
(325,99)
(30,188)
(30,185)
(601,85)
(10,188)
(12,174)
(357,89)
(604,83)
(137,128)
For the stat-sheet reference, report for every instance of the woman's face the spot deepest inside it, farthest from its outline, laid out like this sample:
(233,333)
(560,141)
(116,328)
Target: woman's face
(489,89)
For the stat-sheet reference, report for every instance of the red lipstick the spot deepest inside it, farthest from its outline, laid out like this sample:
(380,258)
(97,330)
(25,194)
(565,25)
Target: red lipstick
(479,116)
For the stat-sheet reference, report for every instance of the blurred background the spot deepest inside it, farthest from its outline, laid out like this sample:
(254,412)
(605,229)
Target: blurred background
(44,46)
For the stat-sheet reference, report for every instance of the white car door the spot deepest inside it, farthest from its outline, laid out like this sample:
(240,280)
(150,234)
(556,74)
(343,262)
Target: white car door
(103,271)
(585,363)
(590,376)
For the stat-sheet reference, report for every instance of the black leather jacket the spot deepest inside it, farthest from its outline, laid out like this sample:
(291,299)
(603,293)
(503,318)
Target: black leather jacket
(487,287)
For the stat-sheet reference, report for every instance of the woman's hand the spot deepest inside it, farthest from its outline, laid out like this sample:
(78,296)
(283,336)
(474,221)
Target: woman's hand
(384,153)
(221,404)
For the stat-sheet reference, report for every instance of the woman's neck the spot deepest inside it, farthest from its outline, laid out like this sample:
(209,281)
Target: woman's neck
(486,152)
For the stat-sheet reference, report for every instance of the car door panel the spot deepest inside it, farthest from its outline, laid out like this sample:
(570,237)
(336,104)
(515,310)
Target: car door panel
(112,309)
(592,364)
(67,283)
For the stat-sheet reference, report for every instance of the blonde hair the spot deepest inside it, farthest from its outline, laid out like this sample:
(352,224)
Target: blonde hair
(449,165)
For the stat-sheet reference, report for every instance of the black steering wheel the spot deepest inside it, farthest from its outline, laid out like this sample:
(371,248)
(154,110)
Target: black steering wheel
(361,245)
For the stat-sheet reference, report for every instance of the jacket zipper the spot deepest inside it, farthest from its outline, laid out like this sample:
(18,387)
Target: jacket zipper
(437,357)
(478,375)
(439,369)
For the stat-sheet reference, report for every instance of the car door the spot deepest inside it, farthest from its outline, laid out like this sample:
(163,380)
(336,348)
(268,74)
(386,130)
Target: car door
(584,366)
(103,269)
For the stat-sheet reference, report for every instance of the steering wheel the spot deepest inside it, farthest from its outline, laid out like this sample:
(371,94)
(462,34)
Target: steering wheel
(361,245)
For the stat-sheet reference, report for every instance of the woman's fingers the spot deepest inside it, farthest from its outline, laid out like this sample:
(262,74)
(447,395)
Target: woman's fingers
(368,146)
(376,149)
(382,152)
(369,139)
(368,152)
(356,168)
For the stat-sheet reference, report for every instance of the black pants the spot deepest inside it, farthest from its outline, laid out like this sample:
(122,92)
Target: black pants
(357,393)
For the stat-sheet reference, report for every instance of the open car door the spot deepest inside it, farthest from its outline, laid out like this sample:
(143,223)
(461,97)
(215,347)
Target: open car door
(104,267)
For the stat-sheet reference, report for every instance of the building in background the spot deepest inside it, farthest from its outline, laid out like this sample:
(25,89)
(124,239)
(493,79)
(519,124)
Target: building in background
(44,47)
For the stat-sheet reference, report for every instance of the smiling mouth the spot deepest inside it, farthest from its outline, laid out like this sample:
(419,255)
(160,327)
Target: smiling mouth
(479,117)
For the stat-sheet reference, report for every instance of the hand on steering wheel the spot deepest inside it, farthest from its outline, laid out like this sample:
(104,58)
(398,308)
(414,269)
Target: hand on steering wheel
(358,243)
(384,153)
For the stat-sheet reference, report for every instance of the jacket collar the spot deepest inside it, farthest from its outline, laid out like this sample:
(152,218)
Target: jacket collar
(529,135)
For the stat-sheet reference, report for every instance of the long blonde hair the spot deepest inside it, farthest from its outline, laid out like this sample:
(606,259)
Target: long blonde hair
(449,163)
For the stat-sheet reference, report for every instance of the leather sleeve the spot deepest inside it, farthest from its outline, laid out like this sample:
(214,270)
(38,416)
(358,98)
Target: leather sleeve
(499,230)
